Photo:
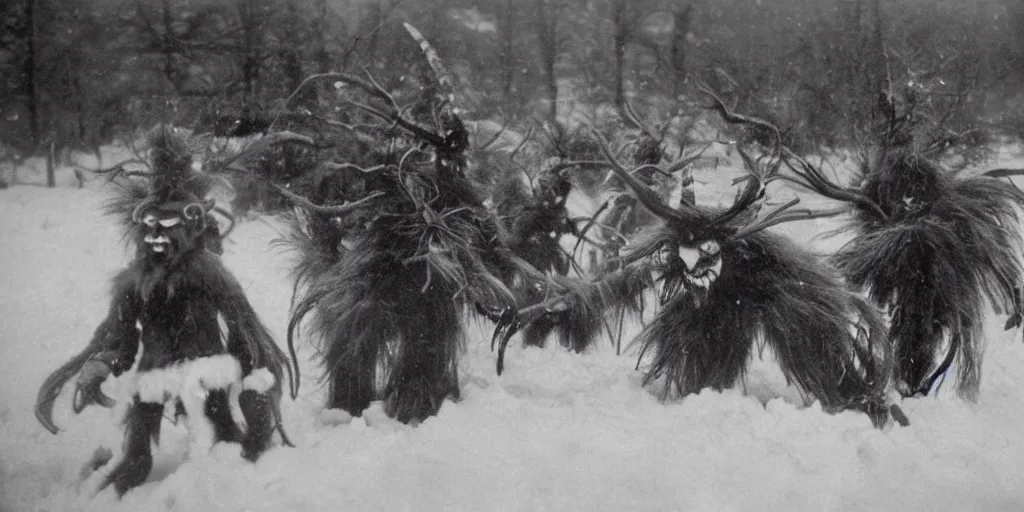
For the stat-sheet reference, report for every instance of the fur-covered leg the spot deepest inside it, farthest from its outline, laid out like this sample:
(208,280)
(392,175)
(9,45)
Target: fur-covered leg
(827,370)
(218,411)
(352,310)
(914,340)
(352,381)
(536,333)
(830,344)
(425,370)
(141,429)
(695,349)
(258,409)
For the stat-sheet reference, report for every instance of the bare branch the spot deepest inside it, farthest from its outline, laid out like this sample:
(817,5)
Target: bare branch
(734,118)
(526,138)
(645,195)
(494,138)
(336,210)
(781,216)
(338,166)
(809,175)
(632,118)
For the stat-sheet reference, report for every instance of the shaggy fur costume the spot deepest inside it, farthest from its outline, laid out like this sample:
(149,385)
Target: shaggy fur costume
(727,288)
(171,299)
(935,251)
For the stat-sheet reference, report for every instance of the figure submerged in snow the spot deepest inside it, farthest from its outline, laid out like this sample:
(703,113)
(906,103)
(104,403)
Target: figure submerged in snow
(171,299)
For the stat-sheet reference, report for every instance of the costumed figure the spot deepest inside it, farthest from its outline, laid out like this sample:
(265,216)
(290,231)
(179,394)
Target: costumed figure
(931,247)
(171,301)
(385,299)
(725,287)
(536,222)
(933,250)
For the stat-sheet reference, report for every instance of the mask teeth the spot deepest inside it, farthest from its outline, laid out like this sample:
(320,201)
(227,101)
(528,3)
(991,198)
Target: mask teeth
(162,239)
(671,289)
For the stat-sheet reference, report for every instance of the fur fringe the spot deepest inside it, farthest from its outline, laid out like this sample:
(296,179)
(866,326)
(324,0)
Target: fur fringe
(830,343)
(394,303)
(171,177)
(934,268)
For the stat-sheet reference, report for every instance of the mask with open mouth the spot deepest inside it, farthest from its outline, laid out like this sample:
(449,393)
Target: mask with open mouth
(689,268)
(166,232)
(703,263)
(157,238)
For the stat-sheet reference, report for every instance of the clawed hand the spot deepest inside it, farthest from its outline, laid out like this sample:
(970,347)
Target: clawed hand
(87,390)
(511,321)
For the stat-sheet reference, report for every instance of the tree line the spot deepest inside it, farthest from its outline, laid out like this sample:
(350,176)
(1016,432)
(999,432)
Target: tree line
(79,74)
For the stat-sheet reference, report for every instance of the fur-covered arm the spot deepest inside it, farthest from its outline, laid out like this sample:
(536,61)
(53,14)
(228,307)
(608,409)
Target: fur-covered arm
(117,338)
(587,304)
(581,306)
(248,339)
(112,349)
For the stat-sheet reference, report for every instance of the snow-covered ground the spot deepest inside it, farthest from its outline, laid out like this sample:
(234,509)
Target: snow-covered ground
(557,431)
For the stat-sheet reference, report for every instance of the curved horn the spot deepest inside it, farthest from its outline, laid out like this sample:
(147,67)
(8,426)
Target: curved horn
(141,208)
(193,211)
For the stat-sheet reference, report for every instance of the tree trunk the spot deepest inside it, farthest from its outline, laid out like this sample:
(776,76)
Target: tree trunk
(167,48)
(681,17)
(877,69)
(323,58)
(547,24)
(621,38)
(250,43)
(51,164)
(506,21)
(29,69)
(291,59)
(376,18)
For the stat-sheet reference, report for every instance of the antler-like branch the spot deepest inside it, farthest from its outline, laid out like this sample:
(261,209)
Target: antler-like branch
(632,118)
(374,90)
(685,162)
(340,209)
(813,178)
(1004,173)
(783,214)
(809,175)
(256,148)
(751,192)
(338,166)
(733,118)
(688,214)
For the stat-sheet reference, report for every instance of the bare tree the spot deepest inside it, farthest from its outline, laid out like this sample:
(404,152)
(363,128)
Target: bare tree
(547,14)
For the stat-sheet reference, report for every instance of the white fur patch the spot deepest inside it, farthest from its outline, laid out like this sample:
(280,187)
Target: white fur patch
(194,376)
(259,381)
(191,381)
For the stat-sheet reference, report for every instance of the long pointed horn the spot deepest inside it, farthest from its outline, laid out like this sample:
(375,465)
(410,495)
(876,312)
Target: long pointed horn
(1004,173)
(444,79)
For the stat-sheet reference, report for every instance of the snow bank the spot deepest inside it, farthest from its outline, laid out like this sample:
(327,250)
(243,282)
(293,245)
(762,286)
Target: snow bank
(557,431)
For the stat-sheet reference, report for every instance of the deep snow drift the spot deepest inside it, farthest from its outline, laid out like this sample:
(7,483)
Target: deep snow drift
(557,431)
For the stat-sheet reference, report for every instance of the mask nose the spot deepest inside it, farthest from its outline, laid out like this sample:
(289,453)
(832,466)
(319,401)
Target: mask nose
(690,256)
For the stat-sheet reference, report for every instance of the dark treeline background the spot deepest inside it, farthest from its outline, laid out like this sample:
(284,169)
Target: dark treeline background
(79,74)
